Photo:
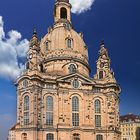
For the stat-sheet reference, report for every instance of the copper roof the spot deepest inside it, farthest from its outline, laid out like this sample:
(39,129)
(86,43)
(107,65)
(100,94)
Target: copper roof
(130,118)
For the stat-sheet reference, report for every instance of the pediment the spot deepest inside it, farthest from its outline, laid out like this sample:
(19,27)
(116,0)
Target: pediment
(70,77)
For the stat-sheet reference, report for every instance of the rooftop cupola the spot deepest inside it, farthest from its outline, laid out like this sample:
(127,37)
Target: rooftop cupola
(62,11)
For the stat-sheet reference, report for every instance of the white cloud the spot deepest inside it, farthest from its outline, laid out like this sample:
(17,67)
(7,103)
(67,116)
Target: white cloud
(12,48)
(80,6)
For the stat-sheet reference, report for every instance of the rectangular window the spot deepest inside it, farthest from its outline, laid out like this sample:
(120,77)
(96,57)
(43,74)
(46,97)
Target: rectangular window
(26,118)
(75,119)
(97,120)
(47,46)
(69,43)
(49,119)
(50,136)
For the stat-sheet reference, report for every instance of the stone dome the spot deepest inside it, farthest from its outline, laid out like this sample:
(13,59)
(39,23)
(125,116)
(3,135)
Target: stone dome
(63,39)
(63,46)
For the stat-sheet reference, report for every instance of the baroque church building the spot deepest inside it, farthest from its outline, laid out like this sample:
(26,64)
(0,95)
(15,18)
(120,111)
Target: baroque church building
(56,97)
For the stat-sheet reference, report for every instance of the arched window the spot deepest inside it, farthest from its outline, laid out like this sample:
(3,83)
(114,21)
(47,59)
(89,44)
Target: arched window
(99,137)
(75,111)
(50,136)
(72,69)
(49,111)
(69,43)
(97,106)
(26,110)
(26,103)
(24,136)
(47,46)
(63,12)
(101,75)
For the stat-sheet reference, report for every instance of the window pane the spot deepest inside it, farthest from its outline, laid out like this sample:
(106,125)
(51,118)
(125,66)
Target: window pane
(69,43)
(49,118)
(75,119)
(97,106)
(75,104)
(97,120)
(26,103)
(49,103)
(99,137)
(26,118)
(49,111)
(75,111)
(50,137)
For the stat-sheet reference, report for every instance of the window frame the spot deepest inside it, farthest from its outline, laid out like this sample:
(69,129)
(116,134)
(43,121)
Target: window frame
(99,137)
(49,136)
(97,106)
(69,43)
(75,111)
(26,113)
(49,111)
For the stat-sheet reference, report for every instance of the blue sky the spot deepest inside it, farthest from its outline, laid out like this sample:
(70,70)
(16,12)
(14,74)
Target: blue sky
(117,21)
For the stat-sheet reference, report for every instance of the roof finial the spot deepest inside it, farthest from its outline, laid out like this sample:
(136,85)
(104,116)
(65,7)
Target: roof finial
(102,42)
(34,31)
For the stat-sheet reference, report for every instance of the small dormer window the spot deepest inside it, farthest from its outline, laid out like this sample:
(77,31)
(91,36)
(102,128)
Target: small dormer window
(72,69)
(69,43)
(47,46)
(63,12)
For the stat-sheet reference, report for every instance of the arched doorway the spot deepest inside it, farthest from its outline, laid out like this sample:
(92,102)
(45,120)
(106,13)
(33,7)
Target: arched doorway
(76,137)
(63,13)
(24,136)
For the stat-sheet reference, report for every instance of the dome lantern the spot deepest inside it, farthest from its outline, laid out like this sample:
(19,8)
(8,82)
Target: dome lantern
(62,11)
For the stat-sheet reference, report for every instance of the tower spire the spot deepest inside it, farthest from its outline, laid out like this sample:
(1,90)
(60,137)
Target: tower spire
(34,42)
(103,65)
(103,53)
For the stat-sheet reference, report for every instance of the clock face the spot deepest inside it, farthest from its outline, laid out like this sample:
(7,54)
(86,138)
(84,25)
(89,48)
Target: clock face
(25,83)
(102,65)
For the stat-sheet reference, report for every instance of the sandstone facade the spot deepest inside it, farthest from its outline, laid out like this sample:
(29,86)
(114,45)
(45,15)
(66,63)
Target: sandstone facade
(56,97)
